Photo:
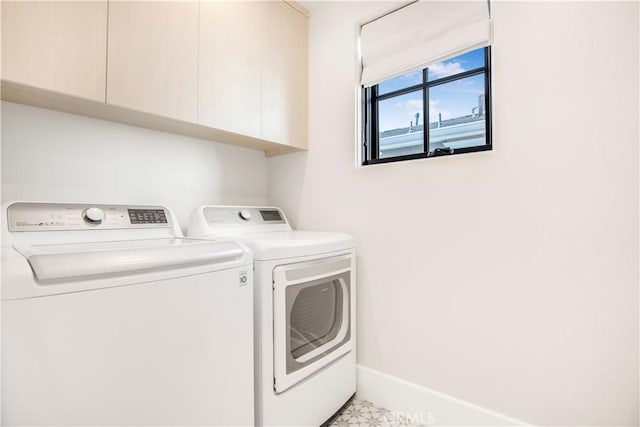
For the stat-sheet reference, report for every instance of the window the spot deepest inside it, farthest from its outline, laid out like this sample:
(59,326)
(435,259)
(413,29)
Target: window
(440,110)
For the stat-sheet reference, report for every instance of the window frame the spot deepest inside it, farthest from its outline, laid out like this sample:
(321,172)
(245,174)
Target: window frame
(370,99)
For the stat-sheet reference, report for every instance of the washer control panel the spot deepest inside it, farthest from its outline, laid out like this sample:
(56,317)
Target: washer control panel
(68,216)
(218,215)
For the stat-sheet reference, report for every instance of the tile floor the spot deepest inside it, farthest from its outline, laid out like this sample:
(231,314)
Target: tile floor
(361,413)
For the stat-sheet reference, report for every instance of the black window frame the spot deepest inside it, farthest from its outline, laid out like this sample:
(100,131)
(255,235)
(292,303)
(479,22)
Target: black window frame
(371,98)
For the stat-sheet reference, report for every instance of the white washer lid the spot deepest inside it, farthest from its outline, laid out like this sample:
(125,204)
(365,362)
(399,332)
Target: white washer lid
(291,244)
(77,260)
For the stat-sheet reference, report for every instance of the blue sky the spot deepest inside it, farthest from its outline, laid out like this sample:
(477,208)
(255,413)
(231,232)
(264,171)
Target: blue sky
(452,99)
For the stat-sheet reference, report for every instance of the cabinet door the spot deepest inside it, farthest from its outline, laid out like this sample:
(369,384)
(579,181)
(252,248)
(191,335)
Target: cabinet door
(229,65)
(284,76)
(56,45)
(153,57)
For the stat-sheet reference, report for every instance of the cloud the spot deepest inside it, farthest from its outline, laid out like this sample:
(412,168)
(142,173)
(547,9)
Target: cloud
(413,104)
(405,112)
(434,110)
(411,76)
(443,69)
(411,107)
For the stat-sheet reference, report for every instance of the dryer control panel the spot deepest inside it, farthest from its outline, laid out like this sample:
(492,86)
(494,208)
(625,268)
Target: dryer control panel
(217,215)
(68,216)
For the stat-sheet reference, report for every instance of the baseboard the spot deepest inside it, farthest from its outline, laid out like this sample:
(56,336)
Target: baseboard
(420,405)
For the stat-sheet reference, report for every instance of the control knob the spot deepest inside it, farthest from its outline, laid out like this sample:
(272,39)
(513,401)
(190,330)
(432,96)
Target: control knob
(245,214)
(93,216)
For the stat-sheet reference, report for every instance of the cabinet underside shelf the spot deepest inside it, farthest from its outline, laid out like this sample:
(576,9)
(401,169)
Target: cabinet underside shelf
(37,97)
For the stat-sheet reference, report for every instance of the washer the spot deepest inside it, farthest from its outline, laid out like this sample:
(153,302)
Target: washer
(111,317)
(305,363)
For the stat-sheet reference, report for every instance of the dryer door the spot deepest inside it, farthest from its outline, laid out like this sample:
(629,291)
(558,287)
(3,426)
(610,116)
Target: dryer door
(312,317)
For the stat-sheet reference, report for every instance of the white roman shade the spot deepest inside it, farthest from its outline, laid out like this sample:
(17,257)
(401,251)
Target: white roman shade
(419,34)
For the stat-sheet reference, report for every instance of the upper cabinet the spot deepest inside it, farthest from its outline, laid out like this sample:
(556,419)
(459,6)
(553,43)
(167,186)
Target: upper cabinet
(153,57)
(56,45)
(229,76)
(283,70)
(229,71)
(253,70)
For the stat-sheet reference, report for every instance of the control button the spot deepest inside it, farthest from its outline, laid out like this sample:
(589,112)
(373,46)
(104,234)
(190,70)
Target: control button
(93,216)
(243,278)
(245,214)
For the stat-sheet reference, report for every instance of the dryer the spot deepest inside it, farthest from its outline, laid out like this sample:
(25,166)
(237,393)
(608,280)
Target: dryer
(111,317)
(305,292)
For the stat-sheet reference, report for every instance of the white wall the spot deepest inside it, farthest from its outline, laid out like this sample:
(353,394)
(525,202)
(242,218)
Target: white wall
(506,278)
(53,156)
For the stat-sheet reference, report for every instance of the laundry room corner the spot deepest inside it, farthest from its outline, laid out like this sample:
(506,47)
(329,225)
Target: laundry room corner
(485,277)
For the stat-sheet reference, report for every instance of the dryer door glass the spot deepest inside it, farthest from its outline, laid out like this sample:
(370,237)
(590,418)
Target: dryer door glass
(315,316)
(317,319)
